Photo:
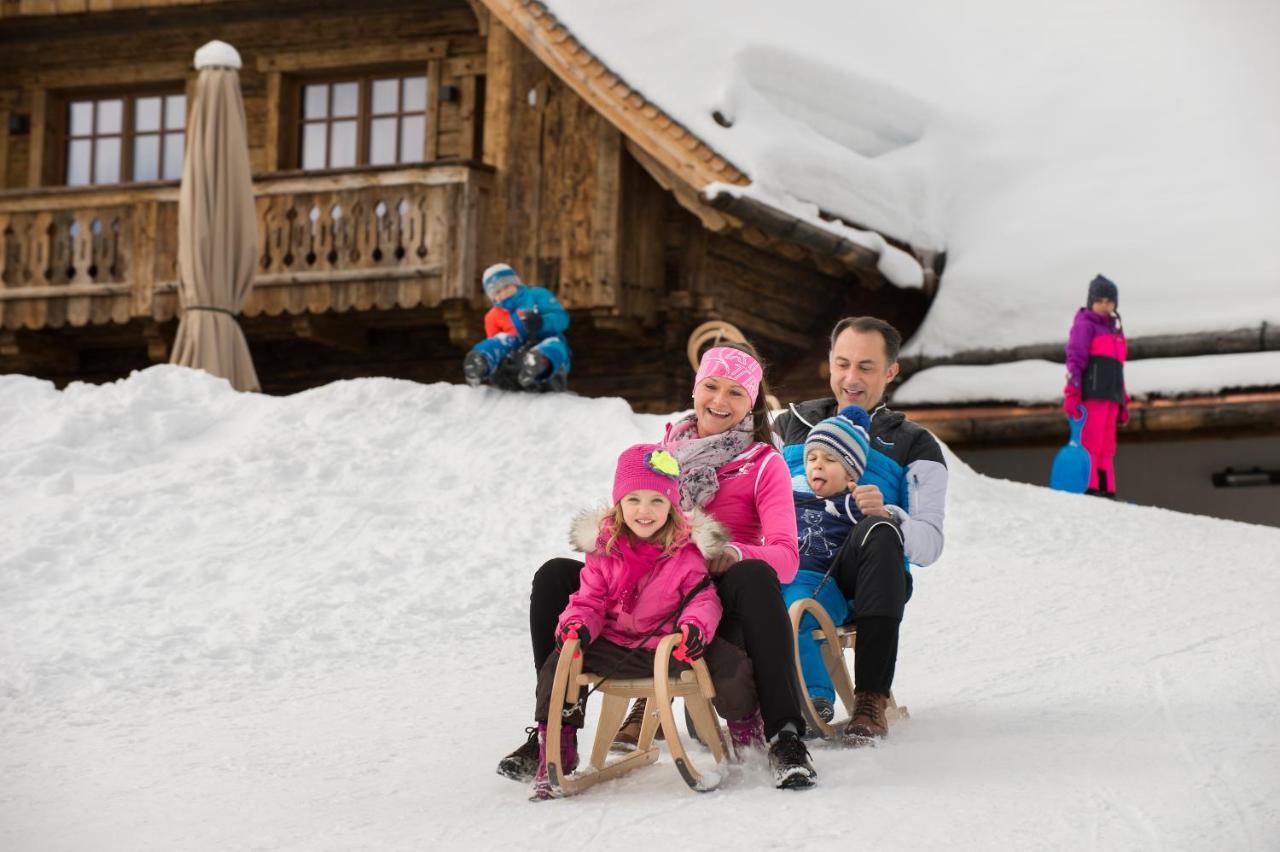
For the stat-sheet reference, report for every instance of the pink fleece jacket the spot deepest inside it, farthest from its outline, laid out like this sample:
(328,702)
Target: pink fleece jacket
(596,604)
(755,503)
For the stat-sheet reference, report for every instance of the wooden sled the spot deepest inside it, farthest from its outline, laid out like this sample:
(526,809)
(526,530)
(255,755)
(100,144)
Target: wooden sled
(837,640)
(694,686)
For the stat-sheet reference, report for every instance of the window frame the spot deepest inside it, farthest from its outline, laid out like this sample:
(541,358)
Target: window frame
(364,79)
(128,134)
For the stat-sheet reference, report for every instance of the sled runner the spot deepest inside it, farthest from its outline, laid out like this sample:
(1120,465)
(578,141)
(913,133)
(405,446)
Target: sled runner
(837,639)
(693,685)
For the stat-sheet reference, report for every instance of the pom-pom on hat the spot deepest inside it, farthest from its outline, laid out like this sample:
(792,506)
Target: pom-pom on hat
(1102,287)
(647,466)
(498,276)
(845,436)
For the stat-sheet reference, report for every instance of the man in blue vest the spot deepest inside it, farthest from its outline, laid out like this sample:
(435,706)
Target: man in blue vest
(902,495)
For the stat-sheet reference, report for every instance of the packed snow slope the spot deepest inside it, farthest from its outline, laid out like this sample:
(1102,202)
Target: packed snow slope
(1037,143)
(234,621)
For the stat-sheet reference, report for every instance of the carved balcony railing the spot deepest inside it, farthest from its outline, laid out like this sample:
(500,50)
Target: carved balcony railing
(332,242)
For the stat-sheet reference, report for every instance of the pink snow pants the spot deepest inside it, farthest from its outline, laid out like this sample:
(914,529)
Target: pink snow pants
(1099,438)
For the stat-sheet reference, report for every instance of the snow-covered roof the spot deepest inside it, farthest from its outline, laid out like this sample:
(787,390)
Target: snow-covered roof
(1034,382)
(1037,144)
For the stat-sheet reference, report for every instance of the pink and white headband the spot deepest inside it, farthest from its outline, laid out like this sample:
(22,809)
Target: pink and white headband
(732,364)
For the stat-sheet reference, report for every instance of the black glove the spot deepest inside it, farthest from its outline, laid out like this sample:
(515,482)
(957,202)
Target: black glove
(691,647)
(573,630)
(532,322)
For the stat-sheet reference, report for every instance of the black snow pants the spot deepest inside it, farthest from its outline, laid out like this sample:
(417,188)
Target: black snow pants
(871,571)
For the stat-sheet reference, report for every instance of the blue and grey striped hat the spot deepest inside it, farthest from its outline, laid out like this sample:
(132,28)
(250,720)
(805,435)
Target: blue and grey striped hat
(498,276)
(845,436)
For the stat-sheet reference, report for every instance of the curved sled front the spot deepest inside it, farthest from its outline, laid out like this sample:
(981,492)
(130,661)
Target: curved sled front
(698,702)
(693,685)
(833,640)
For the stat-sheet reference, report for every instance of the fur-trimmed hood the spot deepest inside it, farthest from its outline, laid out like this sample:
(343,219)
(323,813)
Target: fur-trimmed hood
(706,534)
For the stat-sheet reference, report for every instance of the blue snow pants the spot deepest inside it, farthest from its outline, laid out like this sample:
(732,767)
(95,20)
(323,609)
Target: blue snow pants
(496,349)
(816,678)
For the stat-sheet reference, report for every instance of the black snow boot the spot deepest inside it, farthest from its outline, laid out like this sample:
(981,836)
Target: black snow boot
(789,760)
(475,368)
(522,764)
(534,367)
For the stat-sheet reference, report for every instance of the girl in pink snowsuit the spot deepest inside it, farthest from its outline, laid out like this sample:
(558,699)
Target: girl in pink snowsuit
(1096,353)
(645,577)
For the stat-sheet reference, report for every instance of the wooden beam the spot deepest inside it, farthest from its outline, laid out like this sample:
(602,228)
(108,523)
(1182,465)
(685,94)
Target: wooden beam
(346,334)
(4,145)
(157,343)
(42,350)
(686,197)
(482,15)
(981,425)
(466,323)
(606,219)
(275,104)
(121,75)
(467,112)
(353,57)
(1261,338)
(431,141)
(36,145)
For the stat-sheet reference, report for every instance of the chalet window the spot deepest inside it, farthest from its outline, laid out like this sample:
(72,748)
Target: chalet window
(122,138)
(376,120)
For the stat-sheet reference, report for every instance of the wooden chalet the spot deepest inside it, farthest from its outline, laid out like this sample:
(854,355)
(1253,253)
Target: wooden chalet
(398,148)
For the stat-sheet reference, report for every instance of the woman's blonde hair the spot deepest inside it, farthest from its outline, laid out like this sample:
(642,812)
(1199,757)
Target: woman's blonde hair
(672,535)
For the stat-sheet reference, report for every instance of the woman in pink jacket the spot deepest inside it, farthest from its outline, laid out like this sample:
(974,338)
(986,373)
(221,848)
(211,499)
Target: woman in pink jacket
(645,576)
(1096,352)
(731,471)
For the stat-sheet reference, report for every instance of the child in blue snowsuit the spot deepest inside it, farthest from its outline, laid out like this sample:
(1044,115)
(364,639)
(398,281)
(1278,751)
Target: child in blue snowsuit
(835,455)
(526,323)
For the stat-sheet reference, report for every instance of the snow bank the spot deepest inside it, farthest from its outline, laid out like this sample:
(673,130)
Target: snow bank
(233,621)
(1035,382)
(1039,144)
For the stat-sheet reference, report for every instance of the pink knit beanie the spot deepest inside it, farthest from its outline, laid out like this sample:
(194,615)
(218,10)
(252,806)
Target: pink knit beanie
(647,466)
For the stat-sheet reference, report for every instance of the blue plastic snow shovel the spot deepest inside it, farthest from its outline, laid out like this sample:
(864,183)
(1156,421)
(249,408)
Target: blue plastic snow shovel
(1072,464)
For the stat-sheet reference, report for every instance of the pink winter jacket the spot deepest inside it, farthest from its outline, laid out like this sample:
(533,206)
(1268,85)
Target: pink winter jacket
(597,606)
(756,505)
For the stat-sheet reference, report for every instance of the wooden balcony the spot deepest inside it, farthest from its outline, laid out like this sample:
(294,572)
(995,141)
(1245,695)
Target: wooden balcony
(364,239)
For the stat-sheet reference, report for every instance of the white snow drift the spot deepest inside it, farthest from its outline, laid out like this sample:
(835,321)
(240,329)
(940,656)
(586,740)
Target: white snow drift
(233,621)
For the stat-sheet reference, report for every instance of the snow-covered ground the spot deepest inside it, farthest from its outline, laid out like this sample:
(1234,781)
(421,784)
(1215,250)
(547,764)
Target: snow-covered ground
(1037,143)
(1034,382)
(233,621)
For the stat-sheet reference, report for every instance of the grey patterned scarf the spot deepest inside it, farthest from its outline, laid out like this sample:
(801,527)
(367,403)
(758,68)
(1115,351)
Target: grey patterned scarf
(700,457)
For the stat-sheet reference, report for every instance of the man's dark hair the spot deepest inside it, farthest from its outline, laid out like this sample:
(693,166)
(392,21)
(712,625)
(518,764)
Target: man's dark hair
(892,340)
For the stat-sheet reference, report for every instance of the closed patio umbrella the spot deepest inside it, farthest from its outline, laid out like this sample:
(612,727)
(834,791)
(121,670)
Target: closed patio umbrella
(217,230)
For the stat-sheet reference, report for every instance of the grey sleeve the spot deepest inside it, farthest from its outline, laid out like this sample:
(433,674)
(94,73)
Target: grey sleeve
(922,518)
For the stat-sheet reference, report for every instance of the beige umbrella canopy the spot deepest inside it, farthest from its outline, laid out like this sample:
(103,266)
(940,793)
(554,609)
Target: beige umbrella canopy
(217,232)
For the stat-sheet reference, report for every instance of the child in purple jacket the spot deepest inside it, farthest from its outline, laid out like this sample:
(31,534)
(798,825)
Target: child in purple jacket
(1096,352)
(645,577)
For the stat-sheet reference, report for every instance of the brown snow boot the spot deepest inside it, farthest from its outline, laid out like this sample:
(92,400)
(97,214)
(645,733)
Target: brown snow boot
(628,735)
(869,724)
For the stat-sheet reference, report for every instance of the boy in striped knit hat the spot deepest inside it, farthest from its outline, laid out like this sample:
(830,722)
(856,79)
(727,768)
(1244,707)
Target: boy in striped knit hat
(835,455)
